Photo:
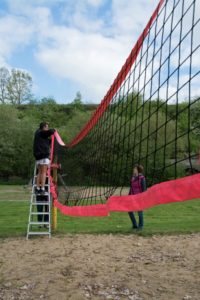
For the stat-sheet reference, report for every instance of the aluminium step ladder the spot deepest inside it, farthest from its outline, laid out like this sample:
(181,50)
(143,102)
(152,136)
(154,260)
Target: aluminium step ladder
(39,222)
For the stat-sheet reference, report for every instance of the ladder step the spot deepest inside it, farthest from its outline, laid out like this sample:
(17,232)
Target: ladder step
(46,176)
(39,223)
(41,203)
(35,196)
(40,213)
(47,194)
(38,232)
(44,185)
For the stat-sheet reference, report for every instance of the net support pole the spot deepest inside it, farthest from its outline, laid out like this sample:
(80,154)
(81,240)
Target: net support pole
(54,208)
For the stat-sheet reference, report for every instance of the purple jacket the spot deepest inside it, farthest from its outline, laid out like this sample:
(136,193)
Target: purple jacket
(138,184)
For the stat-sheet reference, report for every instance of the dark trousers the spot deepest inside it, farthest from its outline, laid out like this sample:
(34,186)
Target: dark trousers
(42,208)
(133,219)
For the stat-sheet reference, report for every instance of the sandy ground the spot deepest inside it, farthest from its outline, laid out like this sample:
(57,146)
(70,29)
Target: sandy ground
(101,267)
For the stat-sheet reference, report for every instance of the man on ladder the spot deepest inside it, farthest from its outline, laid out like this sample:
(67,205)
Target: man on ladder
(41,151)
(40,196)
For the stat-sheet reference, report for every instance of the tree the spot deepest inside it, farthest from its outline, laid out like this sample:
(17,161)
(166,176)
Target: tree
(78,97)
(4,78)
(48,101)
(19,87)
(77,103)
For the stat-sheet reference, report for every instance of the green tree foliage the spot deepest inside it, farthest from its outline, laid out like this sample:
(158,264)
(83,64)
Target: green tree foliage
(195,117)
(15,143)
(148,126)
(4,79)
(8,125)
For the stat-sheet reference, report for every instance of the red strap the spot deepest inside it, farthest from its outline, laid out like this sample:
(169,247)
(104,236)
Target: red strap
(58,138)
(98,210)
(184,189)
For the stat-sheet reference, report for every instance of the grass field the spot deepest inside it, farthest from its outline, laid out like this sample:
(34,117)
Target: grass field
(164,219)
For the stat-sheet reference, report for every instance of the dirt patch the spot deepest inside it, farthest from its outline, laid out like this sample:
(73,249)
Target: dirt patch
(101,267)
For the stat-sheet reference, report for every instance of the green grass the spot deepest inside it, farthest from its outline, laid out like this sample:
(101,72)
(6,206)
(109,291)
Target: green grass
(14,192)
(176,218)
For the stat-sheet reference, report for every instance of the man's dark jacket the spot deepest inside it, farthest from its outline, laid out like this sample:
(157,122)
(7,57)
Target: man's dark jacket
(41,144)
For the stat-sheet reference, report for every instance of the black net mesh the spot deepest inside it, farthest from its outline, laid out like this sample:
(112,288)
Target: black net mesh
(153,118)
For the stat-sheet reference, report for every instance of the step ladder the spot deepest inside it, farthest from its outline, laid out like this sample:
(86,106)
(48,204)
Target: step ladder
(39,221)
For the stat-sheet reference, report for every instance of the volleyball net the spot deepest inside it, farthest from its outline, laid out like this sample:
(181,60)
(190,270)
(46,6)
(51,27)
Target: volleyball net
(150,115)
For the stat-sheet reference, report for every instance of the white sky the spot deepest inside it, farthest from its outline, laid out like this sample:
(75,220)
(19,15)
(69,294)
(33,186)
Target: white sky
(68,45)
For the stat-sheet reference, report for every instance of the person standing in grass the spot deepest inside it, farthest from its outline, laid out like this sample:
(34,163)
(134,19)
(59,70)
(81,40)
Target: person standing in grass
(41,151)
(138,185)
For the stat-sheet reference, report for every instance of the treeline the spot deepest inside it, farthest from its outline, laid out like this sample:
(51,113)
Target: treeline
(18,124)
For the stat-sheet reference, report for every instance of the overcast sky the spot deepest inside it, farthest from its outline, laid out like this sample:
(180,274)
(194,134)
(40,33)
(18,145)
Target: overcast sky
(70,45)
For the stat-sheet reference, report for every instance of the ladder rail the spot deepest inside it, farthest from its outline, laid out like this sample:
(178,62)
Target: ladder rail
(31,201)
